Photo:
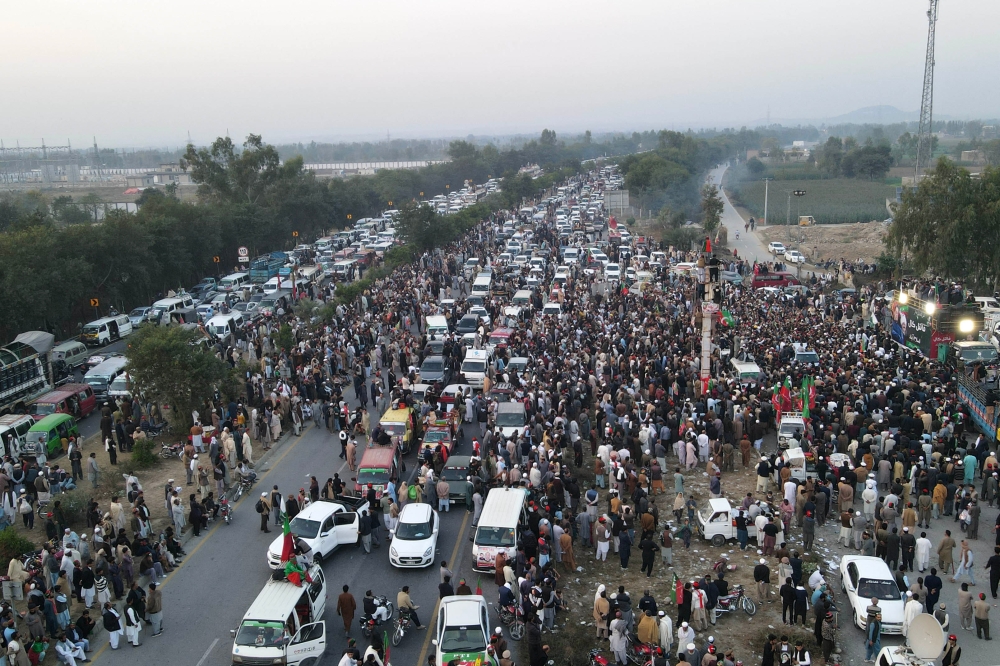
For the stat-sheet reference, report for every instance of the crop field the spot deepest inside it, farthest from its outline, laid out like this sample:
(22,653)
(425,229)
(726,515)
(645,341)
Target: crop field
(832,201)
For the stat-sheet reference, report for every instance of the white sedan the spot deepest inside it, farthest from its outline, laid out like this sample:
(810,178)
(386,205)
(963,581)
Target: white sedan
(415,538)
(795,257)
(776,248)
(864,578)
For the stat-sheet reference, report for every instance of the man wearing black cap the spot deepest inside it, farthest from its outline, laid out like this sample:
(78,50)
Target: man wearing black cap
(829,636)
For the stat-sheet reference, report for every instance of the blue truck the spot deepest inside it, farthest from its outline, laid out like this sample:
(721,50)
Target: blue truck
(266,266)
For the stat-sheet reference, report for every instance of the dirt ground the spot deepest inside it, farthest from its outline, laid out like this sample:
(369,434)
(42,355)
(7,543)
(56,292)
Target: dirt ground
(575,632)
(832,241)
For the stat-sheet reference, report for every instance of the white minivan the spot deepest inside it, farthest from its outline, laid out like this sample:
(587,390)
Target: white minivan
(107,330)
(72,353)
(234,282)
(500,524)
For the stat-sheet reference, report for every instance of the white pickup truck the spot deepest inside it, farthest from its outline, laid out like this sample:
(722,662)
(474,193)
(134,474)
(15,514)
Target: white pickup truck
(323,526)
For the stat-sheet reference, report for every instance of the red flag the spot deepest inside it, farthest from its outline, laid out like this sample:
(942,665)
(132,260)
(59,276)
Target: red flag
(708,244)
(287,545)
(613,223)
(479,585)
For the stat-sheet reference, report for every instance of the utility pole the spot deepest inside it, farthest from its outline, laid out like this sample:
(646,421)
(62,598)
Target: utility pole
(925,147)
(766,182)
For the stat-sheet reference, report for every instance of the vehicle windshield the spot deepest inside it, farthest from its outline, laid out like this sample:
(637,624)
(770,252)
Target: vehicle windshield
(495,536)
(120,385)
(260,634)
(807,357)
(435,436)
(510,419)
(474,366)
(89,328)
(454,474)
(498,339)
(374,476)
(98,382)
(432,366)
(884,590)
(42,408)
(413,531)
(302,527)
(463,639)
(394,429)
(979,354)
(138,312)
(38,437)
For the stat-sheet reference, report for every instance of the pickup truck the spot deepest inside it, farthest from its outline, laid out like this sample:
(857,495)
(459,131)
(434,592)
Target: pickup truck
(322,527)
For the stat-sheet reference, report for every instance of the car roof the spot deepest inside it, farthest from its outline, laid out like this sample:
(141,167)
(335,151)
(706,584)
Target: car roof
(869,567)
(464,609)
(415,512)
(719,504)
(457,462)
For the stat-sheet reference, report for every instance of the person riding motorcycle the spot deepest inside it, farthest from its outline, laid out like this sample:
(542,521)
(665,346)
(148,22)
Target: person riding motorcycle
(247,475)
(507,599)
(374,609)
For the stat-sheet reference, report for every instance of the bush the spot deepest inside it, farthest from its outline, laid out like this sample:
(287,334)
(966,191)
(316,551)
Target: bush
(142,454)
(13,545)
(74,504)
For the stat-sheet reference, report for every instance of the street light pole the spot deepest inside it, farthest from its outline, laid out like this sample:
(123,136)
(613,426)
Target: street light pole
(766,182)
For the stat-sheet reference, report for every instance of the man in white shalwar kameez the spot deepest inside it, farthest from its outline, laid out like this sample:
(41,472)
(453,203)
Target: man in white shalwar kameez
(923,552)
(911,610)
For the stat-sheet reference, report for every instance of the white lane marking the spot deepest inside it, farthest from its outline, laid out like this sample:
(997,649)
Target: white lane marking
(208,652)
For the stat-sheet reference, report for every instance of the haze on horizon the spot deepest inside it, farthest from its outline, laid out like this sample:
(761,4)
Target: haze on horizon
(342,70)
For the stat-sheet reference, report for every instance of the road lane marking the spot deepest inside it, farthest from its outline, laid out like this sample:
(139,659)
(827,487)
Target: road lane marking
(454,553)
(208,535)
(208,652)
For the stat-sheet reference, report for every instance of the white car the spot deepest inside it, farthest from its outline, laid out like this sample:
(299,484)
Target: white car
(795,257)
(323,526)
(415,538)
(552,308)
(776,248)
(613,272)
(463,630)
(864,578)
(483,315)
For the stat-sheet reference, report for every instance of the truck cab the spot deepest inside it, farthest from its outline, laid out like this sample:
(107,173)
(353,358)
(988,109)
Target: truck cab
(323,526)
(284,624)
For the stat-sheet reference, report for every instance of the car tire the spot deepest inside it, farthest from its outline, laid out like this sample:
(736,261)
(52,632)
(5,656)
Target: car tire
(718,541)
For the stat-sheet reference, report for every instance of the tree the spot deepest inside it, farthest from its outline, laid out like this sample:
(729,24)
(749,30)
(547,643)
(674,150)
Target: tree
(755,166)
(869,161)
(168,364)
(93,202)
(418,225)
(832,154)
(711,208)
(223,174)
(950,225)
(64,210)
(548,137)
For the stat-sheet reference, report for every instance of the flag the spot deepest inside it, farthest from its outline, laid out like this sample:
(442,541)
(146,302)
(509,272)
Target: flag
(776,401)
(726,317)
(812,392)
(786,395)
(479,585)
(804,397)
(708,244)
(288,543)
(385,642)
(613,223)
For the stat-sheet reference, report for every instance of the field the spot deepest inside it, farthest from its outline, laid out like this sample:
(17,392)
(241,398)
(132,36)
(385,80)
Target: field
(830,201)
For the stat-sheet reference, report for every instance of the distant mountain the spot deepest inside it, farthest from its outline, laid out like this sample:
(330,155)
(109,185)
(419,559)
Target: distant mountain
(875,115)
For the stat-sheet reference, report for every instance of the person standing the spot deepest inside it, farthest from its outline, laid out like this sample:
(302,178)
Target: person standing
(952,652)
(762,577)
(965,607)
(154,608)
(873,638)
(112,624)
(92,469)
(133,623)
(346,606)
(263,507)
(993,564)
(981,609)
(945,557)
(829,633)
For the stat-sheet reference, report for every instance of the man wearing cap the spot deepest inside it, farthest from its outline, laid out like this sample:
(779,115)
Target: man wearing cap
(263,507)
(665,629)
(154,609)
(685,635)
(762,577)
(952,652)
(981,610)
(603,535)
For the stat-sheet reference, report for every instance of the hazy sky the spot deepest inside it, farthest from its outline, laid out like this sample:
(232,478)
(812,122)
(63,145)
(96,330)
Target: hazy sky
(147,73)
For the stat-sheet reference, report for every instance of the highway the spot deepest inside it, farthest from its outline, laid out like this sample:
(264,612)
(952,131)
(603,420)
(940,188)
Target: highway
(225,569)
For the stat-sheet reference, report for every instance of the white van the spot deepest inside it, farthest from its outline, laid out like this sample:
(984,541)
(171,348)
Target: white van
(437,327)
(99,377)
(284,625)
(748,371)
(277,283)
(13,433)
(511,418)
(475,367)
(481,286)
(107,330)
(235,282)
(499,527)
(72,353)
(522,297)
(163,308)
(224,326)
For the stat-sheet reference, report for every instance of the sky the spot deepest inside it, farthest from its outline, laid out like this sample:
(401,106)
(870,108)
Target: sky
(138,74)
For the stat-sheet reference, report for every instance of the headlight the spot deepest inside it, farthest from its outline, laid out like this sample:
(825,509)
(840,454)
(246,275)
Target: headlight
(237,659)
(392,551)
(428,552)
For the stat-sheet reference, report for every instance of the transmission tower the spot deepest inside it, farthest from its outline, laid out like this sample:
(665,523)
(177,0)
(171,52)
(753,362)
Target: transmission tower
(924,146)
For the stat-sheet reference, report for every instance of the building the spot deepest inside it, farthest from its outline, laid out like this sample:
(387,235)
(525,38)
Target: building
(166,174)
(973,157)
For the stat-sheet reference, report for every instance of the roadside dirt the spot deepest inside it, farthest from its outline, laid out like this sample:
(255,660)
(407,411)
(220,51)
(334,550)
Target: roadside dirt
(832,241)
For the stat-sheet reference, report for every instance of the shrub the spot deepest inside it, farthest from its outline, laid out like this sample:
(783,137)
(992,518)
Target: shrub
(74,504)
(13,545)
(142,454)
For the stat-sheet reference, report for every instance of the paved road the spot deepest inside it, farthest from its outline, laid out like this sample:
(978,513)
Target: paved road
(225,570)
(748,246)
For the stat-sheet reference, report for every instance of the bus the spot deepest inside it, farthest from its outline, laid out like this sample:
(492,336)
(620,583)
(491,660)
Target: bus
(22,377)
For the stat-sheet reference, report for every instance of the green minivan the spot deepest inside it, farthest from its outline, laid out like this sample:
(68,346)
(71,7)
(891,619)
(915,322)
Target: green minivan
(45,437)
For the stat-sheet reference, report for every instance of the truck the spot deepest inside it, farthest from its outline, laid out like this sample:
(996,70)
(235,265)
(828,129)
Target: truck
(284,625)
(266,266)
(322,527)
(929,328)
(718,522)
(981,400)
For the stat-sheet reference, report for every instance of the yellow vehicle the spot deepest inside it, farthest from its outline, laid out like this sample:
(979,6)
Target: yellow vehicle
(806,220)
(403,425)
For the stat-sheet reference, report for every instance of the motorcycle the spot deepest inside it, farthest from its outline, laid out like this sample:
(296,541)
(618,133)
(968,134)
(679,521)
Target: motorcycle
(638,653)
(153,430)
(513,619)
(226,510)
(168,451)
(246,483)
(403,622)
(736,599)
(597,658)
(368,623)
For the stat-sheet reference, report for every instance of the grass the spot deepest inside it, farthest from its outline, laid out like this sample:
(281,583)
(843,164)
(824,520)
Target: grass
(830,201)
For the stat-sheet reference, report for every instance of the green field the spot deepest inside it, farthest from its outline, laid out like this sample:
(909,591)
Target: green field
(830,201)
